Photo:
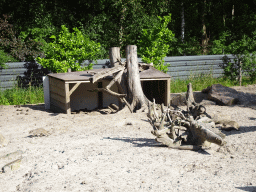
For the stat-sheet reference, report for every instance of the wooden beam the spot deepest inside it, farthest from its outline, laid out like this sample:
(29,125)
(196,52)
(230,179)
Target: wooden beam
(74,88)
(67,98)
(167,92)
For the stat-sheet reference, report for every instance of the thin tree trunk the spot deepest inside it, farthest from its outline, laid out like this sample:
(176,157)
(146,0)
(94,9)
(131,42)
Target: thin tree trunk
(204,32)
(182,22)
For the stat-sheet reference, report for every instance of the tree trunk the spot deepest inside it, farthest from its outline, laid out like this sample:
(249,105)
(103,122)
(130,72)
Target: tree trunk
(135,93)
(114,56)
(204,32)
(182,22)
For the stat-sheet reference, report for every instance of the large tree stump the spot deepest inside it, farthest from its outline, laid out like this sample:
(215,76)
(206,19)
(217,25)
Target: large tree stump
(135,95)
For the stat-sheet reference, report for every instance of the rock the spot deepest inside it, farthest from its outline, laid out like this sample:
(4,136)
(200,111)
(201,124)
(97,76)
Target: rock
(199,96)
(230,125)
(220,118)
(178,99)
(3,141)
(222,95)
(40,132)
(207,102)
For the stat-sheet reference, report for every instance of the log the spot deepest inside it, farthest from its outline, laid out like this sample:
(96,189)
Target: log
(114,56)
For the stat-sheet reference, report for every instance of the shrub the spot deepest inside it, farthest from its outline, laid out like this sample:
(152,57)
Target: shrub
(69,50)
(21,50)
(154,43)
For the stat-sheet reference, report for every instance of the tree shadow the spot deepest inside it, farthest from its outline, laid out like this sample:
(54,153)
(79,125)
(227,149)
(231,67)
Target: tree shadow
(144,142)
(248,188)
(33,76)
(242,129)
(138,142)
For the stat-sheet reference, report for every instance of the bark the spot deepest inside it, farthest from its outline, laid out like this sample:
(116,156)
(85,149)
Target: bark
(135,93)
(114,56)
(129,86)
(204,32)
(180,130)
(182,22)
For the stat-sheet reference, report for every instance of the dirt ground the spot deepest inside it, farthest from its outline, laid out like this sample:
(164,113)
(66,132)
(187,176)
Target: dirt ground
(117,152)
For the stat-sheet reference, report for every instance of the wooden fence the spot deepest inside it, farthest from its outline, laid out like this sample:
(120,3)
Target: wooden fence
(23,73)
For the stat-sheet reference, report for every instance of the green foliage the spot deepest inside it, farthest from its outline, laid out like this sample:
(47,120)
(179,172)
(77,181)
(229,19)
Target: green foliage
(21,50)
(69,50)
(219,45)
(22,96)
(4,58)
(154,43)
(241,50)
(249,66)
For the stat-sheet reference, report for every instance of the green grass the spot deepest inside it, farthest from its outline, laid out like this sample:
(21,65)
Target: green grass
(22,96)
(203,81)
(35,95)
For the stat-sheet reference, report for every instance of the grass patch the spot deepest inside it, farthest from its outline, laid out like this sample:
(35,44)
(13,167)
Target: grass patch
(22,96)
(203,81)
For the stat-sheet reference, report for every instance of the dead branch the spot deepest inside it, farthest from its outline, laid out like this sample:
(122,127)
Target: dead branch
(182,130)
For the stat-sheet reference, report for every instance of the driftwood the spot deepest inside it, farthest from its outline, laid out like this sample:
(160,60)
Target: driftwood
(126,77)
(183,129)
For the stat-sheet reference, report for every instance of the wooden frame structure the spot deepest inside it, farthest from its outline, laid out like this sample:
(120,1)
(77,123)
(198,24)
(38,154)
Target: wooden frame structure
(65,86)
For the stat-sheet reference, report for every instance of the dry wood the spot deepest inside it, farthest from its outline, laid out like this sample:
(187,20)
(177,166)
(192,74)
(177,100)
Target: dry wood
(181,130)
(135,93)
(114,56)
(106,73)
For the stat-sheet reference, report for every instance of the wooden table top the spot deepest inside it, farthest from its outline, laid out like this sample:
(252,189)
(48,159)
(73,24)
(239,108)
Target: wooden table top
(150,73)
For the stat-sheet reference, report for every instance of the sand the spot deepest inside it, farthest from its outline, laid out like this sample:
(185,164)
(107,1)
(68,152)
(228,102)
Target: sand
(117,152)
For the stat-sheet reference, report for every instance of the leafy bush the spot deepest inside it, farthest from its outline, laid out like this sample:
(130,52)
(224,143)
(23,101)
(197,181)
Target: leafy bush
(154,43)
(244,52)
(21,50)
(69,50)
(4,58)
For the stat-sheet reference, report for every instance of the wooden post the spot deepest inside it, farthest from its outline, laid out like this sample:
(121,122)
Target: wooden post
(167,92)
(114,56)
(67,98)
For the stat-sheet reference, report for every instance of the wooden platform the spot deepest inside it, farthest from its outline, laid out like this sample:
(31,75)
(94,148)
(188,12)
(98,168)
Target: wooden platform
(70,91)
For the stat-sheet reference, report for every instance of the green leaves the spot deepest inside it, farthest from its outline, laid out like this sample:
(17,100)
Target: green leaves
(69,50)
(154,43)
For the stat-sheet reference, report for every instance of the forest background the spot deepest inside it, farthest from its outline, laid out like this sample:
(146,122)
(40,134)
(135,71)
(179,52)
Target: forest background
(195,28)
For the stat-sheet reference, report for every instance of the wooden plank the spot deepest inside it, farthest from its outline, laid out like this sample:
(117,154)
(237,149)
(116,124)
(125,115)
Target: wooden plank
(58,104)
(56,109)
(57,83)
(57,97)
(167,92)
(74,88)
(57,90)
(77,81)
(67,99)
(159,79)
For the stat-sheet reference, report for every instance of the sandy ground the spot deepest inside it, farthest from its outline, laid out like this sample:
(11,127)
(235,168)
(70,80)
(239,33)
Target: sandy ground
(117,152)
